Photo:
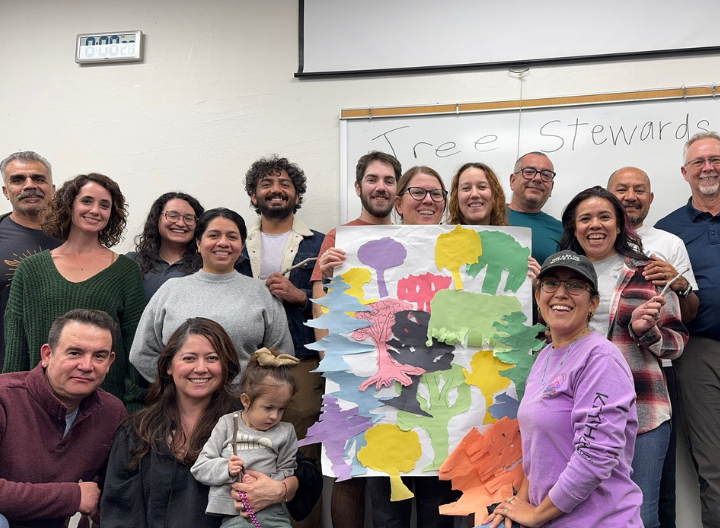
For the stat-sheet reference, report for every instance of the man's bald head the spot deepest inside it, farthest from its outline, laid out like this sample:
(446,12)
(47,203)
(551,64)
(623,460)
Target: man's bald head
(632,187)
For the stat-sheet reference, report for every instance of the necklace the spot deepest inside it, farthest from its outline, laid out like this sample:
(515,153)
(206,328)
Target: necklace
(547,360)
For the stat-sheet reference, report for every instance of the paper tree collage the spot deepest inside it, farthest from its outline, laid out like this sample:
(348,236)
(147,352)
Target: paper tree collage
(429,346)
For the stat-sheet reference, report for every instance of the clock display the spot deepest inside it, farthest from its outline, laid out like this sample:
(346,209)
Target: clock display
(109,47)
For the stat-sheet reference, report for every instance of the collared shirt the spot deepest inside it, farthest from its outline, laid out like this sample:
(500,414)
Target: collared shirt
(161,272)
(701,233)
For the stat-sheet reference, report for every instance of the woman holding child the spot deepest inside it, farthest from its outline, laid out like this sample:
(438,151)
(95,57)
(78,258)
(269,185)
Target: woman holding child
(149,482)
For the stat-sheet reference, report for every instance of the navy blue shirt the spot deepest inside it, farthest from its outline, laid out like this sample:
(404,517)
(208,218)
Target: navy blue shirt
(701,233)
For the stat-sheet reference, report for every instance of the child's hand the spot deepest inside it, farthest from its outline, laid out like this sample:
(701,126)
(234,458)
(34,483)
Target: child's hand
(235,465)
(248,479)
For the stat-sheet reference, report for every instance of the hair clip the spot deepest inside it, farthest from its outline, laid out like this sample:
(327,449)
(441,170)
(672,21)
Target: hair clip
(267,358)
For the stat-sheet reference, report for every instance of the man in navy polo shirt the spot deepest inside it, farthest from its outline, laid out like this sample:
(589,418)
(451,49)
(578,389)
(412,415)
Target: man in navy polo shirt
(698,369)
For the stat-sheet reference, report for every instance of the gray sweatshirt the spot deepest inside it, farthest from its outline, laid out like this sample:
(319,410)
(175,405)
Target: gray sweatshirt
(251,316)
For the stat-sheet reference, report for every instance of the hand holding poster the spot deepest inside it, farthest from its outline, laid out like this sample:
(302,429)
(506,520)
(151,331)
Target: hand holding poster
(430,335)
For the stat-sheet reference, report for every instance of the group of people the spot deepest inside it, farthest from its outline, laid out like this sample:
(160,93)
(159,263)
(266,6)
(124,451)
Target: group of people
(619,298)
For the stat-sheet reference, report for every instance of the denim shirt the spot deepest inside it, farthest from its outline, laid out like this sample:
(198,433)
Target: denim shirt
(303,243)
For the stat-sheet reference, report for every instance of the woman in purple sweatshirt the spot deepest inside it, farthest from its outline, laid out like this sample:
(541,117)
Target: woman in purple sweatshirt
(578,419)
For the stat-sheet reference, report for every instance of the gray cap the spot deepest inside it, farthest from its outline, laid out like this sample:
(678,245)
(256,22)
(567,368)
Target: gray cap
(571,260)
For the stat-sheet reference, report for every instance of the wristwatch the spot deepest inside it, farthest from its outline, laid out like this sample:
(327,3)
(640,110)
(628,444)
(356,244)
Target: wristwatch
(686,292)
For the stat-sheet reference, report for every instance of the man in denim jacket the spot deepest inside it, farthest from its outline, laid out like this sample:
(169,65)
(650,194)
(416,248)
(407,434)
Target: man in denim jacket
(276,242)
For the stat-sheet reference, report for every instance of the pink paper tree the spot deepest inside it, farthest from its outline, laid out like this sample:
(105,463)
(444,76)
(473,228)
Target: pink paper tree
(421,289)
(382,315)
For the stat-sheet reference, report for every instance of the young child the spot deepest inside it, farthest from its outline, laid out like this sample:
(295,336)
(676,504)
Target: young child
(263,442)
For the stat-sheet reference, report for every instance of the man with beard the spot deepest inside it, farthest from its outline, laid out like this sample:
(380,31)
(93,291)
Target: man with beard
(632,187)
(27,184)
(531,183)
(277,242)
(698,369)
(376,177)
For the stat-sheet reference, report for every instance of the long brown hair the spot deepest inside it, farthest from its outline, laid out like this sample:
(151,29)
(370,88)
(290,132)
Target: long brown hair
(498,212)
(161,420)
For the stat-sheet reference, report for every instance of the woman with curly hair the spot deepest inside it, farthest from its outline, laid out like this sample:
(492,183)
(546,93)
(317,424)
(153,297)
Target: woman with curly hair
(89,214)
(477,198)
(166,248)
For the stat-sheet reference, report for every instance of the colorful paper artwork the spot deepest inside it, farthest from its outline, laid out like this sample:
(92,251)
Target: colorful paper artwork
(429,345)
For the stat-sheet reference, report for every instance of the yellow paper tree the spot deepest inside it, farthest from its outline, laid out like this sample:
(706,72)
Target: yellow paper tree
(393,451)
(454,249)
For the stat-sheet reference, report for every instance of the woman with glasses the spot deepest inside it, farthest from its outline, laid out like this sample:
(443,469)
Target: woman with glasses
(242,305)
(578,418)
(644,325)
(421,200)
(88,212)
(166,248)
(477,198)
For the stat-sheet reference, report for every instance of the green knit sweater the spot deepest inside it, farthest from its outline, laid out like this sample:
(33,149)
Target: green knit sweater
(39,294)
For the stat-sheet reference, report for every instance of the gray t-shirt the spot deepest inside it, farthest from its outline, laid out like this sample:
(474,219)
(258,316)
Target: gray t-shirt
(16,243)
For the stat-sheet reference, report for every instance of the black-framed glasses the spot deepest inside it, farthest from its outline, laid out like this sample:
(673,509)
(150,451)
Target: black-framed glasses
(529,173)
(419,194)
(174,216)
(573,286)
(700,162)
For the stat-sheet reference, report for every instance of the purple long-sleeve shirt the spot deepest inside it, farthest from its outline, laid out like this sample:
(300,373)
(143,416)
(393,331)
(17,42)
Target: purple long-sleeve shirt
(578,422)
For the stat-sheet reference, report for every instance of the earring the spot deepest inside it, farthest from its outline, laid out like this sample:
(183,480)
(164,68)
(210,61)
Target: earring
(590,316)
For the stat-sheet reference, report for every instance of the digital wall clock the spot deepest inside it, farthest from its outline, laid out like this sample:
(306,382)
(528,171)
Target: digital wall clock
(108,47)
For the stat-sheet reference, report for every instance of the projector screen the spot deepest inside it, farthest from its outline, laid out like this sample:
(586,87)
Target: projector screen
(348,36)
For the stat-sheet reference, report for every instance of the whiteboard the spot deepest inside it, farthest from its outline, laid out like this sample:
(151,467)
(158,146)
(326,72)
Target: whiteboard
(371,35)
(585,143)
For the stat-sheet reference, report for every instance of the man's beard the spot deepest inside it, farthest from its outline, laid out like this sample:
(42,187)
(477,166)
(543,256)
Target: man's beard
(375,210)
(275,213)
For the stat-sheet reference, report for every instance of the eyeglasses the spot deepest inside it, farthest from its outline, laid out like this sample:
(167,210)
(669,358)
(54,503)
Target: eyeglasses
(174,216)
(700,162)
(529,173)
(419,194)
(573,286)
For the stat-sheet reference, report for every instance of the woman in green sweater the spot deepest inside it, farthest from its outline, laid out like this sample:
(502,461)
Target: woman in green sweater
(89,214)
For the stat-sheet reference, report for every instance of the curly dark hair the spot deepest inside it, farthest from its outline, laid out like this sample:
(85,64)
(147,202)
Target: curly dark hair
(271,166)
(56,221)
(160,420)
(627,243)
(148,243)
(498,212)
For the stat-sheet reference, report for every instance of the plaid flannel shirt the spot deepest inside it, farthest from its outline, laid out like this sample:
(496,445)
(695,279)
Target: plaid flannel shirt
(666,340)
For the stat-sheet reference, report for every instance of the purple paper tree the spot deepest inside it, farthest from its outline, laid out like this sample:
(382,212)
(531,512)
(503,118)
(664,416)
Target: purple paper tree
(382,255)
(335,428)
